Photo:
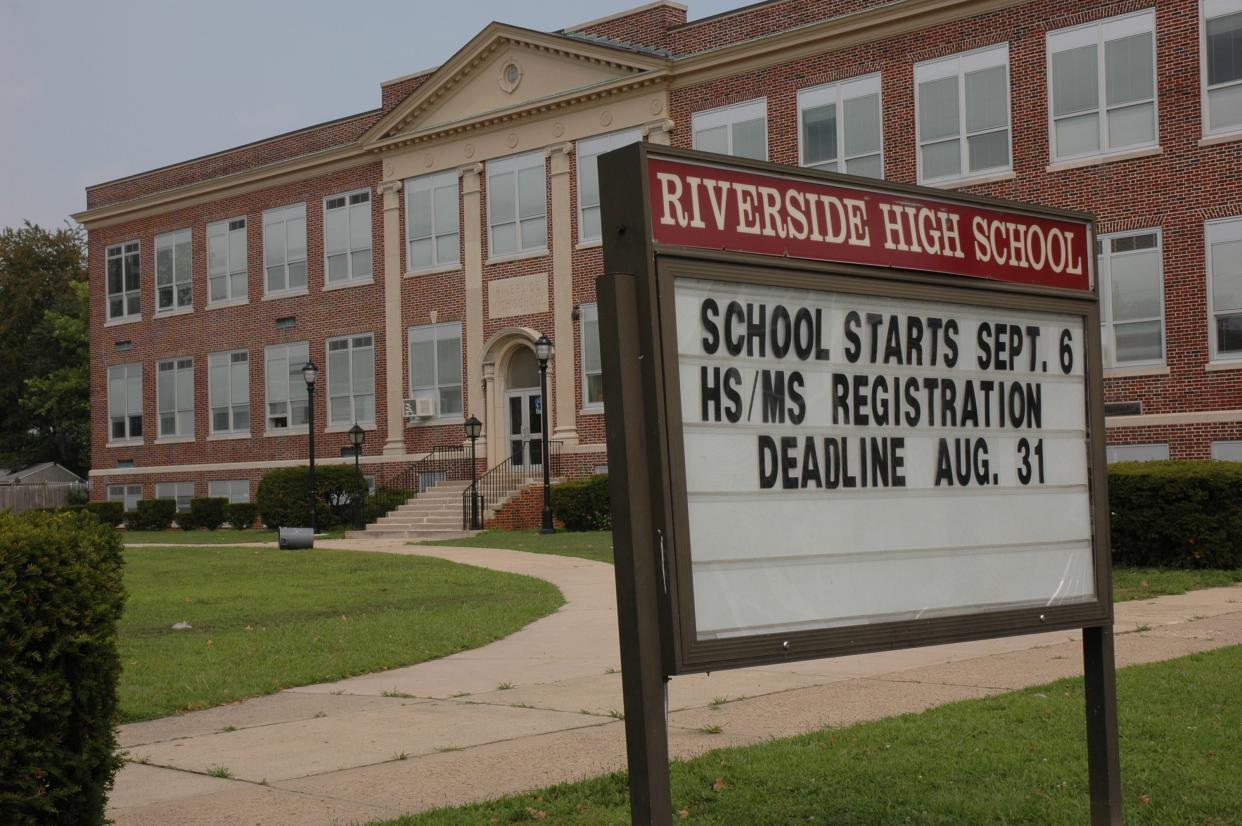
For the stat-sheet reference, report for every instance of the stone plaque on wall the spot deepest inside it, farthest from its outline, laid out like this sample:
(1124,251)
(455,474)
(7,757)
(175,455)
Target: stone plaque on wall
(520,295)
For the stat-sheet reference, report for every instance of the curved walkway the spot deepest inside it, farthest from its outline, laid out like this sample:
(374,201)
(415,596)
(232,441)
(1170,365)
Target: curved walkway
(541,707)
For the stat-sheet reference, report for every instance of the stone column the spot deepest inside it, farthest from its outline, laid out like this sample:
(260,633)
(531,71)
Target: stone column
(394,382)
(658,131)
(563,425)
(472,268)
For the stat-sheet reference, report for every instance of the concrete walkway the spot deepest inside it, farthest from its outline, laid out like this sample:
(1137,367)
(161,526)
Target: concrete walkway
(541,706)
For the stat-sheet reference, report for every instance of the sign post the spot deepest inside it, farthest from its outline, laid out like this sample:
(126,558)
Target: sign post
(845,416)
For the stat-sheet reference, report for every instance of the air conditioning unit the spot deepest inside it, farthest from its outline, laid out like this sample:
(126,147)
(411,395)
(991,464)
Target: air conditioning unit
(419,408)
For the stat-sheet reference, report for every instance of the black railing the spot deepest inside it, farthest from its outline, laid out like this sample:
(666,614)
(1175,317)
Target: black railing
(506,477)
(443,463)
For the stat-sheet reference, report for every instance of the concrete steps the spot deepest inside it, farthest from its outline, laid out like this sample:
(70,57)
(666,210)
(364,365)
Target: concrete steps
(436,513)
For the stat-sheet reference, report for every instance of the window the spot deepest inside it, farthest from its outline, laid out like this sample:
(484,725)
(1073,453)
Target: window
(588,152)
(963,115)
(228,390)
(839,127)
(234,490)
(435,366)
(226,261)
(1103,86)
(517,205)
(347,237)
(1224,264)
(1222,66)
(284,249)
(592,371)
(124,294)
(286,390)
(174,397)
(431,207)
(183,492)
(351,380)
(128,495)
(125,402)
(1136,453)
(1131,298)
(173,287)
(1227,451)
(741,130)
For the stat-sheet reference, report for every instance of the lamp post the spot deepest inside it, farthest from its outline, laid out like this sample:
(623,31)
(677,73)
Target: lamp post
(473,428)
(543,352)
(310,374)
(356,437)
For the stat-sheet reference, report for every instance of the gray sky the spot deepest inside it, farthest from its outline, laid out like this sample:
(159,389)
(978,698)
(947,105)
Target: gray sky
(92,90)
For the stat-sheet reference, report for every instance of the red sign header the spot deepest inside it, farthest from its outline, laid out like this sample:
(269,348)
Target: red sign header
(720,208)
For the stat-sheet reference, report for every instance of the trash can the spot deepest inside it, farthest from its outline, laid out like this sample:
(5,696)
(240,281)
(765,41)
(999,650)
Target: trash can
(291,539)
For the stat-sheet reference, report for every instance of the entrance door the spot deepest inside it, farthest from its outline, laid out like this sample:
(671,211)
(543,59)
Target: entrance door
(526,428)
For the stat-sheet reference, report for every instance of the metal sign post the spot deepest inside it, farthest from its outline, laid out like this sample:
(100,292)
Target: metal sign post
(845,416)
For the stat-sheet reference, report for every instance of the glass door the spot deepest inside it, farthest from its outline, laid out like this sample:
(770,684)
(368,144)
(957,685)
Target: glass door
(526,428)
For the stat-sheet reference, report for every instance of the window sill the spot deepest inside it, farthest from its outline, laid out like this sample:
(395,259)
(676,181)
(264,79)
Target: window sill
(345,428)
(286,431)
(176,312)
(1111,157)
(345,285)
(124,443)
(225,437)
(516,256)
(591,411)
(974,180)
(1138,370)
(174,440)
(286,294)
(117,322)
(1217,366)
(434,270)
(232,302)
(1219,138)
(590,245)
(433,421)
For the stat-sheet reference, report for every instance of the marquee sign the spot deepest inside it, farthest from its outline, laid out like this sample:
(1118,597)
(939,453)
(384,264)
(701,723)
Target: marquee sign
(845,416)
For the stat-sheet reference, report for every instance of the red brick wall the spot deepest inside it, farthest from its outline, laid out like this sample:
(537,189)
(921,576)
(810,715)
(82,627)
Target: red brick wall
(644,27)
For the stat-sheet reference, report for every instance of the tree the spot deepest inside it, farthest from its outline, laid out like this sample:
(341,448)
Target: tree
(44,365)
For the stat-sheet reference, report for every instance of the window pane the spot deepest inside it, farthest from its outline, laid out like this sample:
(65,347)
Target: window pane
(295,232)
(363,365)
(1077,135)
(715,139)
(273,244)
(217,253)
(114,275)
(986,100)
(588,182)
(360,226)
(218,287)
(1138,341)
(237,250)
(183,259)
(819,134)
(297,274)
(1075,81)
(1128,70)
(534,233)
(338,267)
(590,346)
(131,271)
(341,410)
(422,363)
(237,284)
(501,198)
(1227,276)
(504,238)
(446,209)
(420,213)
(338,372)
(362,263)
(868,165)
(862,124)
(420,253)
(334,224)
(532,199)
(750,139)
(590,223)
(1131,125)
(164,266)
(1225,107)
(938,109)
(990,151)
(595,389)
(1224,48)
(450,401)
(1229,333)
(446,249)
(942,159)
(1136,286)
(448,361)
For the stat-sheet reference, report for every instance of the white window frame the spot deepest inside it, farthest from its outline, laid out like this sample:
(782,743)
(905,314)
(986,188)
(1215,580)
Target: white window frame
(435,184)
(435,333)
(282,352)
(1104,273)
(1209,10)
(277,220)
(228,489)
(1227,450)
(128,495)
(587,153)
(756,109)
(516,164)
(1137,453)
(179,432)
(350,278)
(127,373)
(589,313)
(1223,230)
(960,65)
(837,94)
(1098,33)
(177,492)
(230,229)
(216,398)
(353,395)
(122,252)
(170,240)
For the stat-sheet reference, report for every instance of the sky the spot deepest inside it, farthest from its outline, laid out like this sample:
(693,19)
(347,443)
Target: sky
(92,90)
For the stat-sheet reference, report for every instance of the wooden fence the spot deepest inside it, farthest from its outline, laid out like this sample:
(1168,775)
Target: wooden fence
(20,498)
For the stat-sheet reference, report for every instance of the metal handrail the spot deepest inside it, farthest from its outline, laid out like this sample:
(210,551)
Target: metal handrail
(444,462)
(494,484)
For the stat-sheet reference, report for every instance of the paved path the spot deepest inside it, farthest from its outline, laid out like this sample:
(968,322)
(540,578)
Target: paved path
(539,707)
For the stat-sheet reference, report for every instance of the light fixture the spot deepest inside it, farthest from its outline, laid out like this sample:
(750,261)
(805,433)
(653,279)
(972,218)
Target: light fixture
(310,373)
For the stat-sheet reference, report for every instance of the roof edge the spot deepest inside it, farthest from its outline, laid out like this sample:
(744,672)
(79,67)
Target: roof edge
(626,13)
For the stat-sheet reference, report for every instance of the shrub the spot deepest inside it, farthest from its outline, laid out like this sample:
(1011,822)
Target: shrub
(1176,514)
(131,520)
(241,515)
(205,512)
(153,515)
(110,513)
(61,579)
(77,496)
(583,504)
(382,502)
(282,496)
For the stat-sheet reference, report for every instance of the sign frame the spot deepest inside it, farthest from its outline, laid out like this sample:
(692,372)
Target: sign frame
(647,473)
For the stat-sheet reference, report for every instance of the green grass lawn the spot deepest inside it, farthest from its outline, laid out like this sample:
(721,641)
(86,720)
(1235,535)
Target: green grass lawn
(595,545)
(1019,758)
(222,536)
(1142,583)
(265,619)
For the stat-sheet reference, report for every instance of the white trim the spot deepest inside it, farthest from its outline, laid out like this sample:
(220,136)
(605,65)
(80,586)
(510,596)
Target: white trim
(213,229)
(1223,137)
(755,109)
(327,383)
(1104,279)
(958,66)
(1209,9)
(111,320)
(341,428)
(344,285)
(350,279)
(1159,419)
(433,271)
(232,302)
(173,440)
(284,346)
(424,333)
(286,294)
(297,430)
(1231,234)
(515,164)
(1134,372)
(171,313)
(517,256)
(1108,157)
(974,180)
(230,436)
(117,322)
(583,376)
(430,184)
(281,216)
(836,94)
(124,443)
(170,241)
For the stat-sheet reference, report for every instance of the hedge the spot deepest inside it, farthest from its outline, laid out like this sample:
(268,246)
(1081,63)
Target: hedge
(241,515)
(152,515)
(60,576)
(583,504)
(1176,513)
(205,512)
(110,513)
(282,496)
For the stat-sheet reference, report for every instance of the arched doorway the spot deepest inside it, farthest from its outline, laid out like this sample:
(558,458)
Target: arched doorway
(523,409)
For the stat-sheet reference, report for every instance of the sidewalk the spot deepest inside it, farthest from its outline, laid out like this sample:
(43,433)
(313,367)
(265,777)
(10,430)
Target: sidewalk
(540,707)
